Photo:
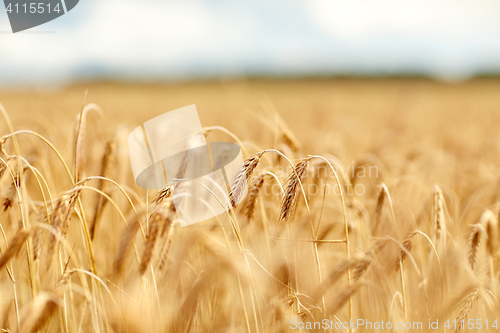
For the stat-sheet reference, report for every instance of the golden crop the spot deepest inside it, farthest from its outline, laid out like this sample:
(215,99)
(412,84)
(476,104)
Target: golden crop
(368,199)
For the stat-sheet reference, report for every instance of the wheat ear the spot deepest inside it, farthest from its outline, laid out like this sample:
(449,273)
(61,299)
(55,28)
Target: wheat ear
(490,225)
(292,190)
(127,240)
(378,209)
(487,225)
(240,181)
(474,240)
(253,195)
(407,246)
(79,136)
(165,251)
(159,216)
(343,296)
(39,311)
(467,305)
(106,165)
(14,246)
(367,258)
(439,215)
(61,216)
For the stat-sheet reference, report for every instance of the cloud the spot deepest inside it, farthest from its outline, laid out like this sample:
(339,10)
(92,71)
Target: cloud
(445,20)
(171,39)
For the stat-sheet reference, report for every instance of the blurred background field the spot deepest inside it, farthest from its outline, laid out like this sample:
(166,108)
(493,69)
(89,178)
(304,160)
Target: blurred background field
(344,116)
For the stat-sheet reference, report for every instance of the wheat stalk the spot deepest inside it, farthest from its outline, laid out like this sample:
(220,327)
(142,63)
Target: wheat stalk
(467,305)
(164,194)
(254,193)
(407,246)
(13,179)
(126,241)
(378,209)
(343,296)
(439,215)
(61,216)
(292,190)
(14,246)
(487,225)
(474,240)
(106,164)
(366,259)
(63,281)
(159,218)
(490,225)
(165,251)
(39,311)
(240,181)
(79,139)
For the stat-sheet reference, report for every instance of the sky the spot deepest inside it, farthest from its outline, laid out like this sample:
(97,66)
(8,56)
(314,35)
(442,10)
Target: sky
(189,39)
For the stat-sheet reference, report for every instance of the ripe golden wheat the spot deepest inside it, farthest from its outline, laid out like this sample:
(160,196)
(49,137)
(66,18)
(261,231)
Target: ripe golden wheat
(82,248)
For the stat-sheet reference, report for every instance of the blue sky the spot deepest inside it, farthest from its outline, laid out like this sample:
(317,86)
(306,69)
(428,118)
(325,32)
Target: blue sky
(169,40)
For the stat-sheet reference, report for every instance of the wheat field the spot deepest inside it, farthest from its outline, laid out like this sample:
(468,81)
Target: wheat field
(369,199)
